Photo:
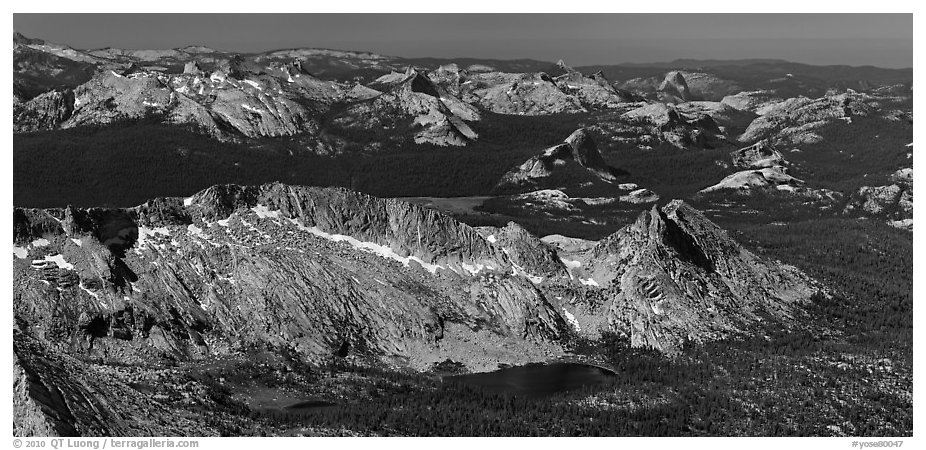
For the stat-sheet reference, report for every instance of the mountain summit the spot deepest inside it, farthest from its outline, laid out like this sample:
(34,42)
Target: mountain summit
(577,154)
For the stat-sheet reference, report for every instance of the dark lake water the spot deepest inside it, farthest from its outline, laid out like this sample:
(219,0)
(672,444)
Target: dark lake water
(310,404)
(537,380)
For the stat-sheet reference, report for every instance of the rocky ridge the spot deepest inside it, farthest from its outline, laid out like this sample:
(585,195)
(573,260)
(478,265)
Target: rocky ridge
(317,272)
(177,278)
(894,200)
(675,278)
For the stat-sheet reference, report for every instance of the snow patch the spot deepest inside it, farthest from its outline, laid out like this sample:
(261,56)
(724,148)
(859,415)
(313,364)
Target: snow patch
(251,108)
(572,320)
(57,259)
(518,270)
(589,282)
(20,252)
(144,233)
(492,239)
(473,269)
(370,247)
(571,264)
(255,84)
(263,212)
(41,242)
(196,231)
(79,242)
(188,201)
(92,294)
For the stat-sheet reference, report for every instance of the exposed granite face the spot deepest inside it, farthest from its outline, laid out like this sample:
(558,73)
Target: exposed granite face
(765,169)
(44,112)
(436,116)
(674,88)
(294,267)
(679,86)
(675,277)
(219,105)
(578,149)
(594,91)
(320,271)
(794,121)
(684,125)
(893,201)
(526,250)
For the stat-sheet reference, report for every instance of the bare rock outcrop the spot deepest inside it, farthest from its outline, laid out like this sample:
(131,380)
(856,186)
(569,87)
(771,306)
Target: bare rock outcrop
(675,277)
(893,201)
(674,89)
(308,269)
(795,121)
(433,115)
(578,153)
(47,111)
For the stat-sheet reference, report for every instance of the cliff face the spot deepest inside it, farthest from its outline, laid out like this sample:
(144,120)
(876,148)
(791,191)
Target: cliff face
(316,269)
(577,154)
(304,268)
(218,104)
(675,277)
(436,116)
(317,272)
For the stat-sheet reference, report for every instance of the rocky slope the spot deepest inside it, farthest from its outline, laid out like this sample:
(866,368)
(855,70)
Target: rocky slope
(319,272)
(893,201)
(682,126)
(436,116)
(309,269)
(678,86)
(674,277)
(793,121)
(217,103)
(765,169)
(532,94)
(674,89)
(578,153)
(594,91)
(312,267)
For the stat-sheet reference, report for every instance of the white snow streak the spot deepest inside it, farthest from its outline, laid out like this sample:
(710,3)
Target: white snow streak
(41,242)
(370,247)
(20,252)
(253,83)
(57,259)
(572,320)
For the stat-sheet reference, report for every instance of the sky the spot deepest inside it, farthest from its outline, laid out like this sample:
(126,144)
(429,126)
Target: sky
(884,40)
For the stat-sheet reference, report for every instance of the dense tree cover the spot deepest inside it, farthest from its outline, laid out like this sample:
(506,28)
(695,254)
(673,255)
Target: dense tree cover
(868,265)
(846,369)
(827,372)
(851,155)
(127,163)
(786,383)
(668,171)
